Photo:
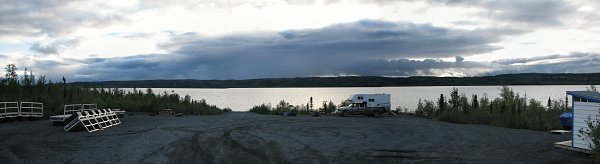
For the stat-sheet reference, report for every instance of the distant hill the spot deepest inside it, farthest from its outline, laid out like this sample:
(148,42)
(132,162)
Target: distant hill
(361,81)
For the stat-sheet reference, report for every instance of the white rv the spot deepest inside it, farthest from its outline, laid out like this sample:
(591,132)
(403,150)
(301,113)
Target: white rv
(367,104)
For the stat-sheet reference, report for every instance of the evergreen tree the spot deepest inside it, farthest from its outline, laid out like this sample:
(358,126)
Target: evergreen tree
(441,105)
(454,100)
(474,102)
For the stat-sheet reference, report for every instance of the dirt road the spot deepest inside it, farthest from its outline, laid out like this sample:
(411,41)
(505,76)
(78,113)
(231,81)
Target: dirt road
(242,137)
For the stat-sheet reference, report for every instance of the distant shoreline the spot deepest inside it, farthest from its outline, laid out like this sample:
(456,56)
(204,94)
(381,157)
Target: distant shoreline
(359,81)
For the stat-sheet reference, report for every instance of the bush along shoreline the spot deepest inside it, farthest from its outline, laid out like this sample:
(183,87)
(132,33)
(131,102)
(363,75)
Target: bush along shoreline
(283,106)
(510,110)
(28,87)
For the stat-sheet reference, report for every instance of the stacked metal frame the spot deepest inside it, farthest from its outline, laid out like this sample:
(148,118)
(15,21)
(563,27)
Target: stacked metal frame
(93,120)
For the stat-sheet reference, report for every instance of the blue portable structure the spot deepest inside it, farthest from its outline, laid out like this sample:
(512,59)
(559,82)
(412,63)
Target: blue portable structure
(585,104)
(566,120)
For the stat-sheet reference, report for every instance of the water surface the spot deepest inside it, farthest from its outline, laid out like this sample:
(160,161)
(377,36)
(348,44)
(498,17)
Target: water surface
(242,99)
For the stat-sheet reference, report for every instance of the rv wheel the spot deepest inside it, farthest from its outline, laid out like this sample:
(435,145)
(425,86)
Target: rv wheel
(376,114)
(345,113)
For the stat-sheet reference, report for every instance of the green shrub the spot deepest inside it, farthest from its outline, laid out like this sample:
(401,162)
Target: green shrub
(594,135)
(509,110)
(262,109)
(284,106)
(328,107)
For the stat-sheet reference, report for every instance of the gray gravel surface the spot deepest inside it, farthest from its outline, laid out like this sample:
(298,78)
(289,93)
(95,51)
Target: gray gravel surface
(242,137)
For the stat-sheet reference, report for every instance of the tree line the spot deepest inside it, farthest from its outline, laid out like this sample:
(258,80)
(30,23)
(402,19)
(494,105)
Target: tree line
(28,87)
(510,110)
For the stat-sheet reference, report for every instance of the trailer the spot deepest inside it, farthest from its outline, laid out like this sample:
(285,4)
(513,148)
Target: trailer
(367,104)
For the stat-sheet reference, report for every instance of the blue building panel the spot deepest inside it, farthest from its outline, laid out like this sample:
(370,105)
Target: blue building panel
(589,95)
(580,96)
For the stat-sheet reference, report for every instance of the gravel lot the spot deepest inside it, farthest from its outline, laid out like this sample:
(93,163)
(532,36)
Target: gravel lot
(242,137)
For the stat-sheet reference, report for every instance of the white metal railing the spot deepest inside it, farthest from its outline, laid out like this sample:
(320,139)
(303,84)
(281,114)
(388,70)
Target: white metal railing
(9,109)
(71,109)
(22,109)
(31,109)
(89,106)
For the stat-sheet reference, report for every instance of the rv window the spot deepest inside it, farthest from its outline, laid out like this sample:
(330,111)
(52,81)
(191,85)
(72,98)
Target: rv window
(576,99)
(360,97)
(371,100)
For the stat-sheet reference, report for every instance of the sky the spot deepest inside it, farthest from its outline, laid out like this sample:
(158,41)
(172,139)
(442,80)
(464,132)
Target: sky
(99,40)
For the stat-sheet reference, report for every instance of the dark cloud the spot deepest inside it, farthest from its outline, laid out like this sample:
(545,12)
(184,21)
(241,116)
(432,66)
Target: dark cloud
(53,47)
(365,47)
(406,67)
(148,66)
(531,12)
(165,66)
(34,18)
(528,13)
(49,64)
(332,50)
(171,66)
(573,63)
(362,39)
(459,59)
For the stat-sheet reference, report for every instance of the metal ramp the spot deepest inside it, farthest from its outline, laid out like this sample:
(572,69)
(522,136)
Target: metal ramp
(92,120)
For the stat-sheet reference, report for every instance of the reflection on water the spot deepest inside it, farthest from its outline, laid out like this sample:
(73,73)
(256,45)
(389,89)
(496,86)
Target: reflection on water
(242,99)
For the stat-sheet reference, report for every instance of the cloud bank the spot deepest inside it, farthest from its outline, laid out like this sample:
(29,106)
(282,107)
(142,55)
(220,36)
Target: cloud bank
(380,46)
(360,48)
(367,48)
(525,14)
